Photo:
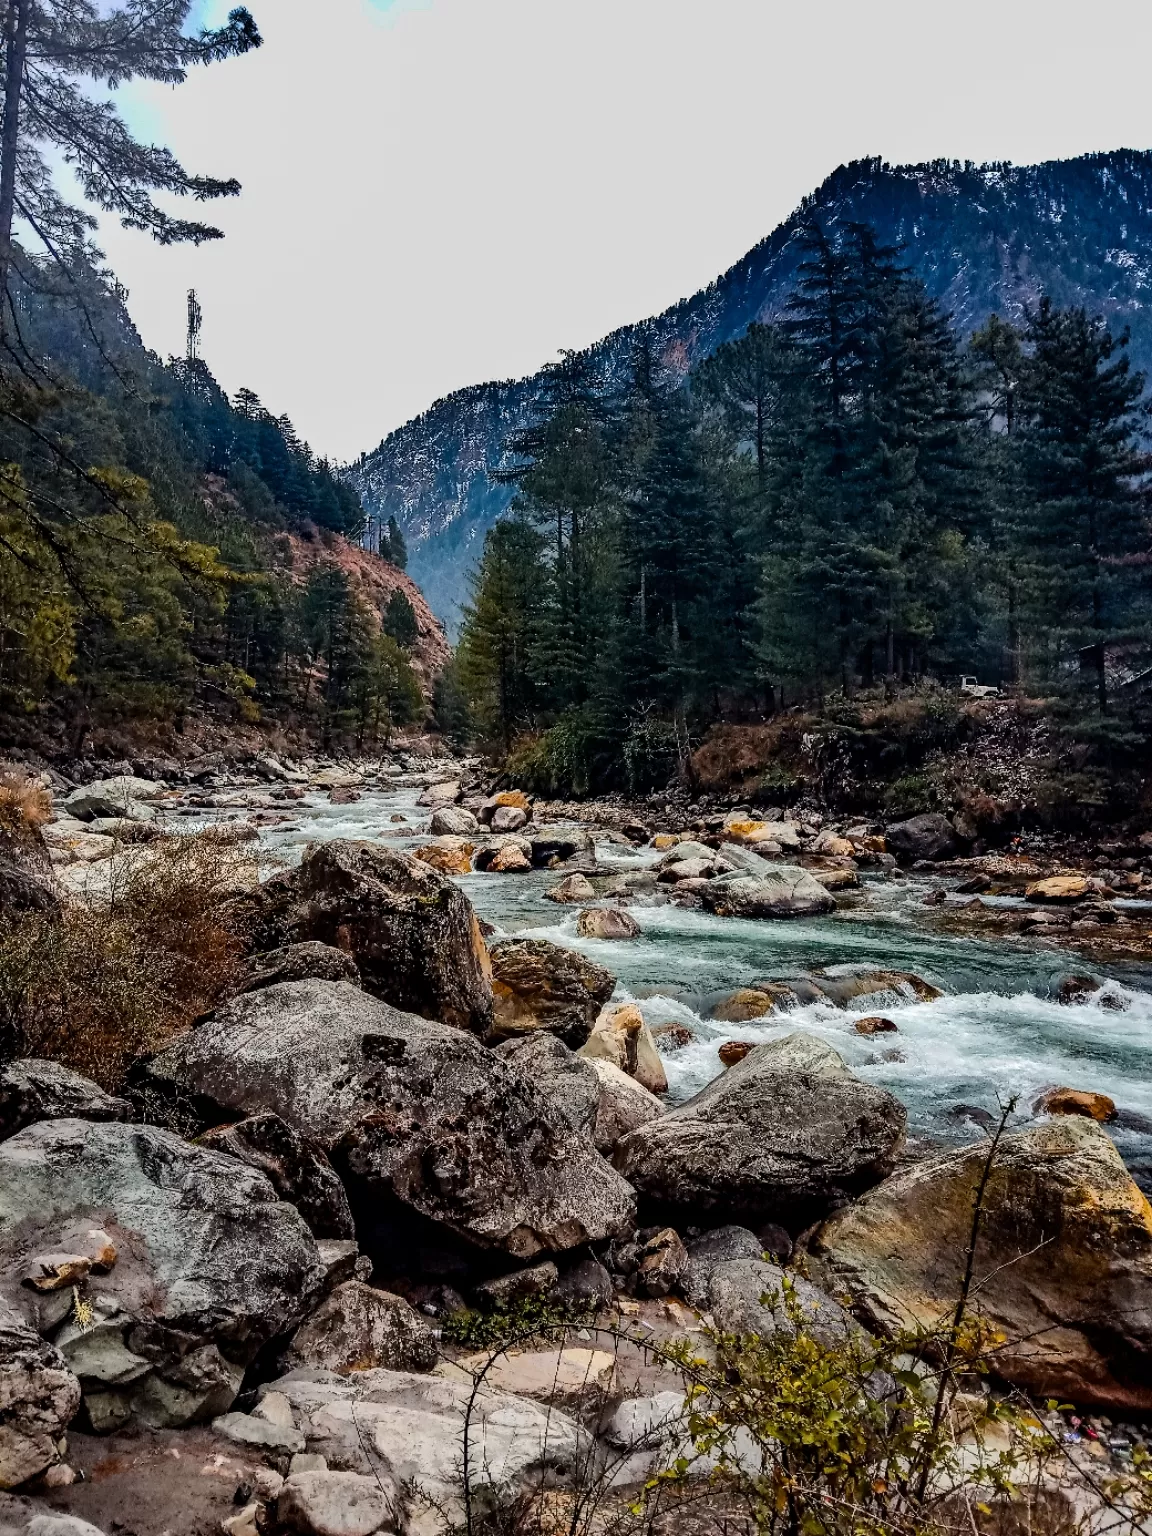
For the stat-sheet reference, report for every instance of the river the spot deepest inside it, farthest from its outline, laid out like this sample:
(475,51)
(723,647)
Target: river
(998,1031)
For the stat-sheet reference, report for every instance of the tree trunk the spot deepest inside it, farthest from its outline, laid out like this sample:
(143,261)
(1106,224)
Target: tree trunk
(15,50)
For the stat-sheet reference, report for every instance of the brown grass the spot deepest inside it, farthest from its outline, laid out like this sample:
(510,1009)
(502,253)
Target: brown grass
(103,982)
(24,803)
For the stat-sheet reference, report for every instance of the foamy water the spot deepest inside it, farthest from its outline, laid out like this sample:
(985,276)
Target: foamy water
(997,1032)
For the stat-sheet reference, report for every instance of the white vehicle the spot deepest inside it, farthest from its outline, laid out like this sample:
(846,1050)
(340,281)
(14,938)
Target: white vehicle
(972,689)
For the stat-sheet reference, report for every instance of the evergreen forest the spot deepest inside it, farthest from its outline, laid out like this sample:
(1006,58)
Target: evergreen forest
(850,503)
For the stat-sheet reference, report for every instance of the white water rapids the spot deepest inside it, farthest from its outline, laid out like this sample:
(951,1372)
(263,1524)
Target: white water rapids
(999,1030)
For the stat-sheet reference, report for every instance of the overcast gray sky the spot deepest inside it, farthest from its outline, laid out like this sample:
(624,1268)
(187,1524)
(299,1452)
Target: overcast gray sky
(438,192)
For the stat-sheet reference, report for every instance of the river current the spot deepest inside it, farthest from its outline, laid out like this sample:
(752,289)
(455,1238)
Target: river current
(999,1030)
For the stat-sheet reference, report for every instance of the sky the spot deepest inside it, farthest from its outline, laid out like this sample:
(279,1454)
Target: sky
(440,192)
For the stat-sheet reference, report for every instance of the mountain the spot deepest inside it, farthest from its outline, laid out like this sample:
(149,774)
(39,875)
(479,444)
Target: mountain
(983,238)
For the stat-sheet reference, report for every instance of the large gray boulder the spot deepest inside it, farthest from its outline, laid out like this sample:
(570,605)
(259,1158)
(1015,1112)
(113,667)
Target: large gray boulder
(708,1252)
(569,1080)
(751,1296)
(32,1090)
(411,931)
(624,1104)
(930,836)
(538,985)
(124,796)
(415,1112)
(1063,1263)
(409,1430)
(299,962)
(785,1133)
(189,1262)
(39,1397)
(358,1328)
(782,891)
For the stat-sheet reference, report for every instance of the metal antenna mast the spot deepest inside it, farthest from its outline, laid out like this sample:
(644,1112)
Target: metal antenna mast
(195,320)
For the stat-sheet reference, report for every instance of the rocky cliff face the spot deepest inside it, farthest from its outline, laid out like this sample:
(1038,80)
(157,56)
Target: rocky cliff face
(983,238)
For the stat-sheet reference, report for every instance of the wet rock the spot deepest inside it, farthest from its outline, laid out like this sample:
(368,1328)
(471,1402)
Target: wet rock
(539,985)
(686,848)
(733,1051)
(522,1284)
(753,1003)
(846,984)
(671,1037)
(624,1105)
(411,931)
(453,821)
(607,923)
(748,1296)
(1075,990)
(299,962)
(211,1264)
(507,799)
(510,858)
(39,1397)
(1059,888)
(785,1132)
(620,1036)
(298,1169)
(415,1112)
(784,891)
(358,1328)
(1064,1259)
(32,1090)
(450,855)
(685,870)
(874,1025)
(409,1429)
(836,879)
(568,1080)
(973,1112)
(572,889)
(707,1252)
(931,837)
(336,1504)
(1075,1101)
(344,796)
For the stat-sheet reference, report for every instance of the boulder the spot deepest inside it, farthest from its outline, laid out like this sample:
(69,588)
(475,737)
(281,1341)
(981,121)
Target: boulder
(1059,888)
(506,1290)
(122,796)
(733,1051)
(39,1397)
(752,1296)
(453,821)
(358,1328)
(513,799)
(540,985)
(555,845)
(624,1104)
(570,1081)
(336,1504)
(450,855)
(211,1265)
(1076,1101)
(27,880)
(708,1252)
(662,1261)
(298,1170)
(836,879)
(607,923)
(299,962)
(930,836)
(259,1433)
(508,818)
(783,833)
(620,1036)
(682,870)
(784,1133)
(344,795)
(573,888)
(32,1090)
(409,1430)
(411,931)
(686,848)
(421,1116)
(783,891)
(446,793)
(507,858)
(753,1003)
(567,1376)
(1063,1263)
(874,1024)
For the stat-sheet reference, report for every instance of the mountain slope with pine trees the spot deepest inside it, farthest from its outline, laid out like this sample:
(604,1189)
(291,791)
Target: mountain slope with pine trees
(982,239)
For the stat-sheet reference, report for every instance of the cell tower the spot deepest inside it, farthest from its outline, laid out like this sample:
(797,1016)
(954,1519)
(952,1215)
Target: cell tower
(195,320)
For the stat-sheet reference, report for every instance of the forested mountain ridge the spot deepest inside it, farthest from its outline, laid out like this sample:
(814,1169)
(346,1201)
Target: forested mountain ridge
(981,238)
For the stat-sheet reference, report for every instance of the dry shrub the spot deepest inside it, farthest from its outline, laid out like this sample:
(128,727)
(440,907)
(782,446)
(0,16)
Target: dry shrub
(24,803)
(102,982)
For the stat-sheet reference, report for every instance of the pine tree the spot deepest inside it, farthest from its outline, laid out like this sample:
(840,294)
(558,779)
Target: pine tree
(500,638)
(393,546)
(399,620)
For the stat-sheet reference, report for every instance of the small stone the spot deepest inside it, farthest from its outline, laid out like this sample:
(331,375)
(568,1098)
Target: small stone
(874,1025)
(733,1051)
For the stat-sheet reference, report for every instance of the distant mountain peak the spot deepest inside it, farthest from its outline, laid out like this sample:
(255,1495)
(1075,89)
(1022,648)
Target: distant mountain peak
(983,238)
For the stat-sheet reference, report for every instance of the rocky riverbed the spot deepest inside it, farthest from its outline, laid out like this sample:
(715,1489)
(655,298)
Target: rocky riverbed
(489,1053)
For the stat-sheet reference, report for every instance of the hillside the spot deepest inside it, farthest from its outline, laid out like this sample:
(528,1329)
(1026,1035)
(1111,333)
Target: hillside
(982,238)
